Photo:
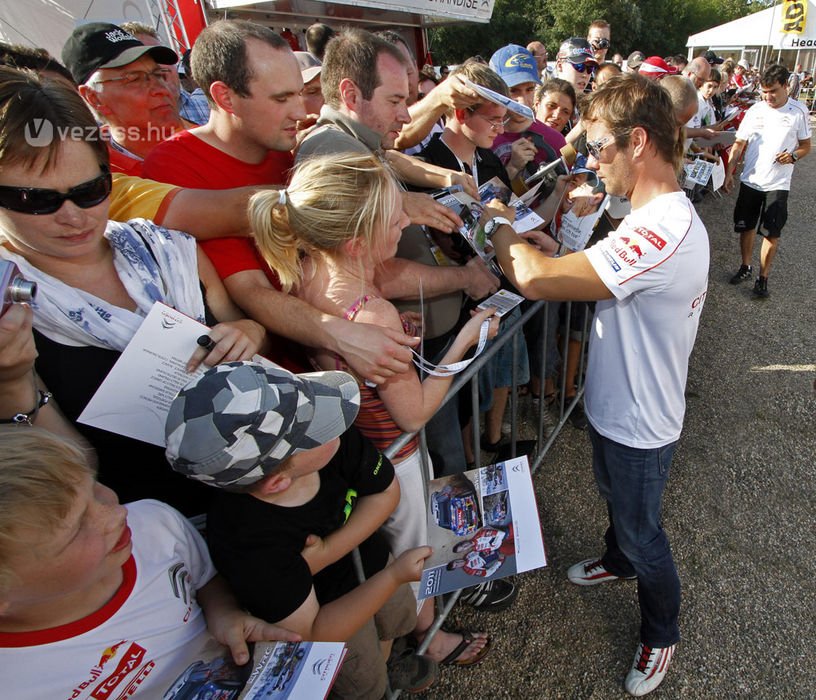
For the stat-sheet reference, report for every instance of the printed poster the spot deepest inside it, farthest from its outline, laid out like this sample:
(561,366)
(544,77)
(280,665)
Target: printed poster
(483,524)
(275,671)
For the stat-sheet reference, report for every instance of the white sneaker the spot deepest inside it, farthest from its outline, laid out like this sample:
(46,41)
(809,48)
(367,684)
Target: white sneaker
(648,669)
(591,572)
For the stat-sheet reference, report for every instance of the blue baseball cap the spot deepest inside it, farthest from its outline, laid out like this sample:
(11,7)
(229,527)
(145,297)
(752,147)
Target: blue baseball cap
(515,65)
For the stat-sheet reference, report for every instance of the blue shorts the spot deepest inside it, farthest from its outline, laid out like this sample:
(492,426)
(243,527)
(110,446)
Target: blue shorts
(498,372)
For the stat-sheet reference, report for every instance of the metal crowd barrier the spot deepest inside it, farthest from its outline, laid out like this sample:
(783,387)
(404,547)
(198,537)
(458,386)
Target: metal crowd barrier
(544,443)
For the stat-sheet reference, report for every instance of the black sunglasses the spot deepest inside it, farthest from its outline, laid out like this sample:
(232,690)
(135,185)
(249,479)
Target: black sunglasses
(582,67)
(32,200)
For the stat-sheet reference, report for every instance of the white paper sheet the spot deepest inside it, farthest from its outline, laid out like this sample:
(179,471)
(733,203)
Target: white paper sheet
(136,395)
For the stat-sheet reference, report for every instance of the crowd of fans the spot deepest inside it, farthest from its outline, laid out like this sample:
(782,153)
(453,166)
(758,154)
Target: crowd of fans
(284,199)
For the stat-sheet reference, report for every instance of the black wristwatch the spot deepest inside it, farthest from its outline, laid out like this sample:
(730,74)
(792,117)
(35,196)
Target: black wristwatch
(794,157)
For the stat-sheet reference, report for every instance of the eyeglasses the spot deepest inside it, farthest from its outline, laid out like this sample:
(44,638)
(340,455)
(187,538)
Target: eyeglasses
(594,148)
(602,43)
(140,78)
(32,200)
(495,124)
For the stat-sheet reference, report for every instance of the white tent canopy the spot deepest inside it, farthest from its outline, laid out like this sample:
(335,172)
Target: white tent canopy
(759,29)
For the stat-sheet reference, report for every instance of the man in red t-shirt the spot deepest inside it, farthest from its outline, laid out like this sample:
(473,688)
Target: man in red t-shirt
(254,109)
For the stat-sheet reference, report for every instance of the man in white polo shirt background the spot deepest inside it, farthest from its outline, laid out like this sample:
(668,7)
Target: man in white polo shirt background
(773,136)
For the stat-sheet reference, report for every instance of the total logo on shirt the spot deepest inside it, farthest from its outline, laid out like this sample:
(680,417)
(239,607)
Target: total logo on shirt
(650,236)
(128,660)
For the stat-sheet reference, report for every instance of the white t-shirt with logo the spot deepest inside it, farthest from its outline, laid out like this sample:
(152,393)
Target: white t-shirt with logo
(769,131)
(656,266)
(140,641)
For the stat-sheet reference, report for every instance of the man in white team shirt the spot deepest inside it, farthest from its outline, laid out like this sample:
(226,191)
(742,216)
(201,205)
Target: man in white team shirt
(773,136)
(650,278)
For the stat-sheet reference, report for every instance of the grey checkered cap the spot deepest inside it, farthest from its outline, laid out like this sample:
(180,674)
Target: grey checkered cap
(235,423)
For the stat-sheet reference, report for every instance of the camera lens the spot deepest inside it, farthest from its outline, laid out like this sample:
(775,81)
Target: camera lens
(21,290)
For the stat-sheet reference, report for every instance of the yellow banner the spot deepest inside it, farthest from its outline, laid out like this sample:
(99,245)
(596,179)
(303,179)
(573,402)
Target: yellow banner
(794,16)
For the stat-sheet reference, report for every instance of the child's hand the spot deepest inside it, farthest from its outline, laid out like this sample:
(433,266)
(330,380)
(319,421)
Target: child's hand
(315,553)
(238,628)
(234,341)
(232,626)
(408,566)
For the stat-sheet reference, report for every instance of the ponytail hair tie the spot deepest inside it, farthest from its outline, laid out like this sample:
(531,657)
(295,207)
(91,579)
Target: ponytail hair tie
(282,197)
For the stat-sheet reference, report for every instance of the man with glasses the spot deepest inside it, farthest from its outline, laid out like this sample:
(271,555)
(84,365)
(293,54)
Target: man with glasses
(698,71)
(599,37)
(128,86)
(649,278)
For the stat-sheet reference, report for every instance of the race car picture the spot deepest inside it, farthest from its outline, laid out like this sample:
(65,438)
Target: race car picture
(456,508)
(220,679)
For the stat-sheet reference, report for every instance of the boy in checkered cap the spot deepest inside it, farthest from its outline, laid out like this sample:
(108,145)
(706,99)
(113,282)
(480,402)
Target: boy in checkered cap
(299,489)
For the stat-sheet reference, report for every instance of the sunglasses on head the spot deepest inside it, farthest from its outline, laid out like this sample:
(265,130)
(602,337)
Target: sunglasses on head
(582,67)
(32,200)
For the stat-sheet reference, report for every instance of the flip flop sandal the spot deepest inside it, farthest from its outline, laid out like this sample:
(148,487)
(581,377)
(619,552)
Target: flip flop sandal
(467,640)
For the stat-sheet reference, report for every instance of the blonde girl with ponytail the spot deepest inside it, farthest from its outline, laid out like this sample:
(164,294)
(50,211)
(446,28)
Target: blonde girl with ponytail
(324,235)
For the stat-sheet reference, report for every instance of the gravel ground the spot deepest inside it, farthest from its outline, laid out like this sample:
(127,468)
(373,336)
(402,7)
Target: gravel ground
(739,509)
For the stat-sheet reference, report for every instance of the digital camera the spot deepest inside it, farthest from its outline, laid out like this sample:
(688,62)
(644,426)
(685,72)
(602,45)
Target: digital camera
(15,288)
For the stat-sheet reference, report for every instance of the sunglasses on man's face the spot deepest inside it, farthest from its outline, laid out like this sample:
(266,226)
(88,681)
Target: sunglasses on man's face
(32,200)
(582,67)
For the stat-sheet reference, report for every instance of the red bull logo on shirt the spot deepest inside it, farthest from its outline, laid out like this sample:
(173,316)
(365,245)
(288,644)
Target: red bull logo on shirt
(628,249)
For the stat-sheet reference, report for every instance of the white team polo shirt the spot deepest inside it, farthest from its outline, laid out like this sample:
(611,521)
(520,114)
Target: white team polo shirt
(656,266)
(769,131)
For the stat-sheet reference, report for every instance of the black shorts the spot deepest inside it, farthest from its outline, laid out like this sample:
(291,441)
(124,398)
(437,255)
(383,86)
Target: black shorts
(756,210)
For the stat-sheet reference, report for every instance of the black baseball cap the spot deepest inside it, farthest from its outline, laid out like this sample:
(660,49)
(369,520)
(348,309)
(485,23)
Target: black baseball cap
(713,58)
(98,45)
(576,50)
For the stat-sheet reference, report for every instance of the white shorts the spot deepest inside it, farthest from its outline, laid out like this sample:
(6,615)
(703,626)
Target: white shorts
(407,526)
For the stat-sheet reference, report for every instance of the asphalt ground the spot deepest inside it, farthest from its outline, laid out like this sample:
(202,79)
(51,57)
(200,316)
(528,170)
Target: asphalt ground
(738,509)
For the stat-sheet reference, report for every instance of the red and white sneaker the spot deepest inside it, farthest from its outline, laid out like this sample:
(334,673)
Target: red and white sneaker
(591,572)
(648,669)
